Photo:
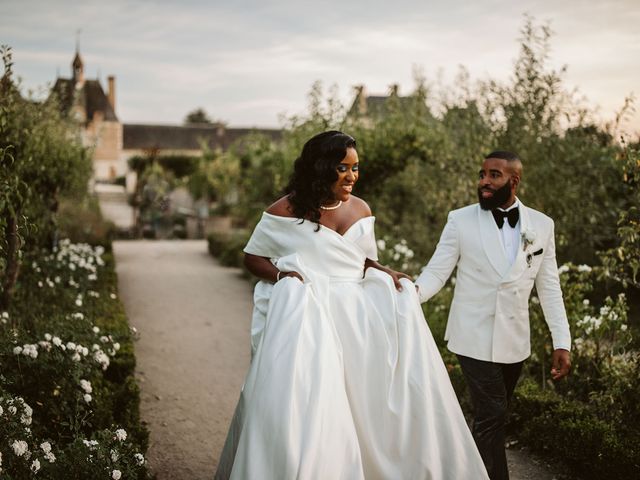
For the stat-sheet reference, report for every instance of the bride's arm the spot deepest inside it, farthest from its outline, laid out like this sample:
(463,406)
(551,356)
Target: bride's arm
(396,276)
(262,268)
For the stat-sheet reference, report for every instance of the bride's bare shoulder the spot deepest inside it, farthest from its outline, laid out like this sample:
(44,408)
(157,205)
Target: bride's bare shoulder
(360,206)
(281,207)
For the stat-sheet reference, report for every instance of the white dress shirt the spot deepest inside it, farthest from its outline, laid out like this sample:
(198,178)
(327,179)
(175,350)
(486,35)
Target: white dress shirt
(510,236)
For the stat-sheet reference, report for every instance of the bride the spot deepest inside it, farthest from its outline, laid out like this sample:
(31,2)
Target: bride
(345,381)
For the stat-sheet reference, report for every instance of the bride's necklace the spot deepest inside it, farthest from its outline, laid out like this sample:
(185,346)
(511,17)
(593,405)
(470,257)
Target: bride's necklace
(333,207)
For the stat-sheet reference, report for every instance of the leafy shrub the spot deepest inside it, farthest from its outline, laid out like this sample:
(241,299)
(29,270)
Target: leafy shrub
(228,247)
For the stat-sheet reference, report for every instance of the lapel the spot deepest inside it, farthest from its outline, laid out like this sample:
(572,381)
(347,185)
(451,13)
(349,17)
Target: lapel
(520,263)
(491,241)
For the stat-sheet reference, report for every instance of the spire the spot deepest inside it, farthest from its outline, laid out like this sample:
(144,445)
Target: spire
(77,64)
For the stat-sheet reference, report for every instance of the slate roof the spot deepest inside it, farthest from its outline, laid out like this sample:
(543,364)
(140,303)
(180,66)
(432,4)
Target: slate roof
(376,105)
(185,137)
(90,96)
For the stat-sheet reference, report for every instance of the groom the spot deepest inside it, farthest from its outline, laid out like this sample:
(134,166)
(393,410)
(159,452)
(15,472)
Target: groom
(501,248)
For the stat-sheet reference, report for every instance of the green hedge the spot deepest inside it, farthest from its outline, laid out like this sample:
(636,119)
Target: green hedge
(575,433)
(227,247)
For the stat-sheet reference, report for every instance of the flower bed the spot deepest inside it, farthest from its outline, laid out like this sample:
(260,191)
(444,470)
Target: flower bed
(69,404)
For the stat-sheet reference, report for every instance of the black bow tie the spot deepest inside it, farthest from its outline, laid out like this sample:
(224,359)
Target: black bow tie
(512,216)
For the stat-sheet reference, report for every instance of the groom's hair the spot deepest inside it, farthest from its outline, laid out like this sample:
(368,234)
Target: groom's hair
(504,155)
(512,158)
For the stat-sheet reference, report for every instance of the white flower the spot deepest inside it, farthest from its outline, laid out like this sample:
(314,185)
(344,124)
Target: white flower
(47,337)
(535,300)
(96,330)
(35,466)
(381,245)
(528,236)
(5,315)
(19,447)
(78,302)
(17,350)
(584,268)
(57,279)
(46,447)
(104,339)
(90,443)
(71,345)
(116,346)
(40,284)
(86,386)
(50,457)
(1,410)
(116,474)
(102,358)
(585,301)
(604,311)
(114,456)
(113,296)
(139,458)
(87,398)
(76,357)
(623,327)
(563,269)
(121,434)
(30,350)
(56,341)
(13,410)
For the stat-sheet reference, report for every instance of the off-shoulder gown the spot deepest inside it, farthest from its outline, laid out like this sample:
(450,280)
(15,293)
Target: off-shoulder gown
(345,381)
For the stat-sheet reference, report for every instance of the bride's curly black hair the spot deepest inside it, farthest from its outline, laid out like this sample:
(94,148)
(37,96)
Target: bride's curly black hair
(314,172)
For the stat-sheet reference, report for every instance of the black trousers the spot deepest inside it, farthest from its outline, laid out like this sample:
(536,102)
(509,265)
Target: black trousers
(491,386)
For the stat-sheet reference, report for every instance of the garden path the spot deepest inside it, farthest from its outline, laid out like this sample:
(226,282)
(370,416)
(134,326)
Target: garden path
(193,317)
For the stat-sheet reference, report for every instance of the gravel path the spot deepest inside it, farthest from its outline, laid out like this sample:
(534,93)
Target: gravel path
(193,317)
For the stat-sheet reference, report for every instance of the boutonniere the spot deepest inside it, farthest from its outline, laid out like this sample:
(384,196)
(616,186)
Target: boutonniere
(528,237)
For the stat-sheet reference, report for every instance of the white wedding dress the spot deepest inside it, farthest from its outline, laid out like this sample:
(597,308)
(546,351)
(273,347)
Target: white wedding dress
(346,381)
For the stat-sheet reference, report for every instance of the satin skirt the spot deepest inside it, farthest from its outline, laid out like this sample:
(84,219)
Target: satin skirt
(346,382)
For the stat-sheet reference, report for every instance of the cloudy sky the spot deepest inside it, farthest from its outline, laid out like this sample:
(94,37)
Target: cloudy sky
(249,61)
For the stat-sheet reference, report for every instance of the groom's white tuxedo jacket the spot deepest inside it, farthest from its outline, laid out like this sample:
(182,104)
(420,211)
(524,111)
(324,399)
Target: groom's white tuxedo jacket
(489,316)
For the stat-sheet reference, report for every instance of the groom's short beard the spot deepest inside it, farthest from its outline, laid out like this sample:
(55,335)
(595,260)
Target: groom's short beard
(499,197)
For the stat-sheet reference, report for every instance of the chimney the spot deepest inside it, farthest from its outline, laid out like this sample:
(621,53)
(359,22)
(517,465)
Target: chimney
(361,99)
(111,91)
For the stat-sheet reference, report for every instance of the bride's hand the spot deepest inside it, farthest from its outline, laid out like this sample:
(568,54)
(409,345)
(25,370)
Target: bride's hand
(396,276)
(291,274)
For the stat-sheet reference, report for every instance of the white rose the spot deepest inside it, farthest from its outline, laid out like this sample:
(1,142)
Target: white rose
(116,474)
(121,434)
(35,466)
(19,447)
(87,397)
(46,447)
(139,458)
(17,350)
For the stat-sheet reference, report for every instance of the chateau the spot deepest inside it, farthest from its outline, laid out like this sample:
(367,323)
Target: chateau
(114,142)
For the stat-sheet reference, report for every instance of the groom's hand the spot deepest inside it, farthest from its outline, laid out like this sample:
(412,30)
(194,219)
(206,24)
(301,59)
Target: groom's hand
(560,364)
